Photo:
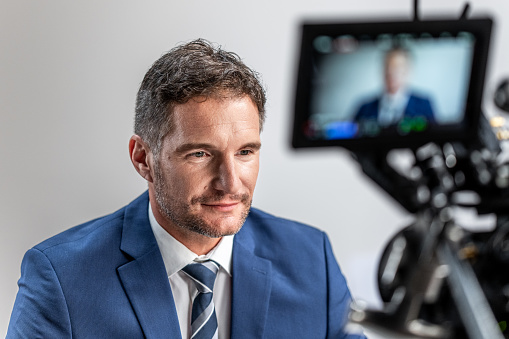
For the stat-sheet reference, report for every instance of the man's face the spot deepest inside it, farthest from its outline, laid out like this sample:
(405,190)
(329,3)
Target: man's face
(205,175)
(396,71)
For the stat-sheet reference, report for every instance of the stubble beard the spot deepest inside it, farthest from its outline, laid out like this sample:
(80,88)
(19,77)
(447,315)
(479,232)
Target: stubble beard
(180,214)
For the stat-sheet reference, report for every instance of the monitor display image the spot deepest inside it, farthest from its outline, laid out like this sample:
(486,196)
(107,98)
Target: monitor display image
(389,83)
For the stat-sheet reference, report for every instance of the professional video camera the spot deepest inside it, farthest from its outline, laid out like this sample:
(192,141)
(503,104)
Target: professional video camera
(412,90)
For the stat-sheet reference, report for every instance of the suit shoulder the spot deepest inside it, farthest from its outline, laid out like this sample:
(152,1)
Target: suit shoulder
(93,229)
(368,108)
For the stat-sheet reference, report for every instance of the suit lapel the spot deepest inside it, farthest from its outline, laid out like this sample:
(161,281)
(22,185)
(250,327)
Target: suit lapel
(144,278)
(252,283)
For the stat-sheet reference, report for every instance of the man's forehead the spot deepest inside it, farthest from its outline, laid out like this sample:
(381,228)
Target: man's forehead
(212,112)
(207,129)
(202,119)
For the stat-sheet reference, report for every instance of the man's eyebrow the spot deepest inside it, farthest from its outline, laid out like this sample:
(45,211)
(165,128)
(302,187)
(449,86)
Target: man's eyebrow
(254,145)
(190,146)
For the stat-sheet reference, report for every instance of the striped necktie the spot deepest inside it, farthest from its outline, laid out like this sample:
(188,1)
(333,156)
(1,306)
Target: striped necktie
(203,316)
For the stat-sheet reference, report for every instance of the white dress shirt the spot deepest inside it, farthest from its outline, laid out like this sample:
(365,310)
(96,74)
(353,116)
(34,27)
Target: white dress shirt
(392,107)
(176,256)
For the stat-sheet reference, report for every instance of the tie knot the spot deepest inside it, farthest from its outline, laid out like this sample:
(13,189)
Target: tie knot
(203,274)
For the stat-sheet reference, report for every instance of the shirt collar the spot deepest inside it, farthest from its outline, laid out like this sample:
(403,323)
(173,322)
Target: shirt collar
(176,256)
(401,96)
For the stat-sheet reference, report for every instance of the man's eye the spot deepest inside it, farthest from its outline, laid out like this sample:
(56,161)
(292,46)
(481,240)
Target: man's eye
(198,154)
(245,152)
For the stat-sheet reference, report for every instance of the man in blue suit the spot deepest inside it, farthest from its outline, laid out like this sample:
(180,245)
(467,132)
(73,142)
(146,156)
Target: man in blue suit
(397,103)
(190,257)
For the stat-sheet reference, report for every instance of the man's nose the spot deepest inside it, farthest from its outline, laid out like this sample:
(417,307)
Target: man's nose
(227,176)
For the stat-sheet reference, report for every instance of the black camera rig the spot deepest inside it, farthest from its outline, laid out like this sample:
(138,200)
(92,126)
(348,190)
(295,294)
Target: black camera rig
(436,278)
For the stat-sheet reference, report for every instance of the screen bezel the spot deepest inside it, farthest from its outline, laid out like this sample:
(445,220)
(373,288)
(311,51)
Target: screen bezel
(467,129)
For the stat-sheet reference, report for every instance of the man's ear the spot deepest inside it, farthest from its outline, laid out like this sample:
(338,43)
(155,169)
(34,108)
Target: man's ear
(141,157)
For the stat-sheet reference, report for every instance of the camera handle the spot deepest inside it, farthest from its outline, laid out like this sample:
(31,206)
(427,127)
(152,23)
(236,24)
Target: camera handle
(463,15)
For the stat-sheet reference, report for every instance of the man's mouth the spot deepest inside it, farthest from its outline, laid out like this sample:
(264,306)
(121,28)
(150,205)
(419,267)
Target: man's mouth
(222,206)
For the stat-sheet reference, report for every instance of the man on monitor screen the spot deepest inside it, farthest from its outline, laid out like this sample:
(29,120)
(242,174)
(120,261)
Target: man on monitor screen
(398,102)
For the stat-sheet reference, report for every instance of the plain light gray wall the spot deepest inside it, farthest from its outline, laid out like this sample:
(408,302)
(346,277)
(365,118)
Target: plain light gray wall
(69,72)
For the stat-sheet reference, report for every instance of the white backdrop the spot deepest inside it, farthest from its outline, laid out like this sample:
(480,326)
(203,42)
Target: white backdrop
(69,72)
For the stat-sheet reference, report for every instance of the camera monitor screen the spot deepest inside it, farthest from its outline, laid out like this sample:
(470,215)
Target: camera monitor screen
(390,84)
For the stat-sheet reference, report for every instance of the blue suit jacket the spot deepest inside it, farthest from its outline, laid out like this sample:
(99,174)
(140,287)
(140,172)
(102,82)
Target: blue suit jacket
(106,279)
(416,107)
